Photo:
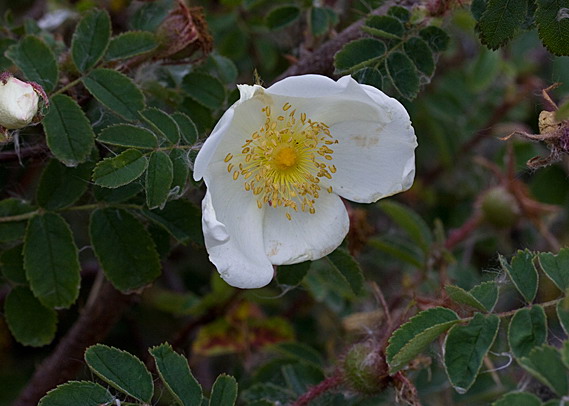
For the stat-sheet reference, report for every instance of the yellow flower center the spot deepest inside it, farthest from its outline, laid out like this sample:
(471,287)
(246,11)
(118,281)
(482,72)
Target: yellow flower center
(285,158)
(282,163)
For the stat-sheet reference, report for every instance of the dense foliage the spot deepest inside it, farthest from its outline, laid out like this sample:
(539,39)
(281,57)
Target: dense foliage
(454,292)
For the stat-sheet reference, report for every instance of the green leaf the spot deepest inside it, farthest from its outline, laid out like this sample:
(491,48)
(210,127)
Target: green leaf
(358,54)
(51,260)
(487,294)
(437,38)
(124,248)
(224,391)
(36,60)
(121,370)
(500,21)
(223,67)
(465,349)
(421,55)
(181,172)
(319,22)
(556,267)
(188,129)
(384,27)
(292,275)
(410,221)
(518,399)
(118,195)
(527,330)
(565,353)
(131,43)
(13,230)
(116,92)
(149,15)
(77,393)
(280,17)
(545,364)
(403,74)
(563,314)
(563,112)
(369,76)
(300,352)
(461,296)
(552,18)
(159,177)
(477,8)
(30,322)
(126,135)
(91,39)
(120,170)
(522,272)
(5,43)
(269,395)
(61,186)
(175,372)
(413,337)
(181,218)
(300,376)
(401,13)
(163,124)
(349,268)
(68,132)
(204,89)
(12,265)
(399,248)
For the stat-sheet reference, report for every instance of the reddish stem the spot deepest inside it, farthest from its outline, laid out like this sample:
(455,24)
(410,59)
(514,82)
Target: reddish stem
(460,234)
(317,390)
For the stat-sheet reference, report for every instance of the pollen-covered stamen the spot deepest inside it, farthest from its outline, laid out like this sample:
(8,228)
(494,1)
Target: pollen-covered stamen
(282,163)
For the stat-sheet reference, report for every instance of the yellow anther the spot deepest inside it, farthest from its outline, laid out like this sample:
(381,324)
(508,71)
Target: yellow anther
(283,161)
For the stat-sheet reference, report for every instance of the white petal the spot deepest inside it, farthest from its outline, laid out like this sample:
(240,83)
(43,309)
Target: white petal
(210,145)
(233,226)
(306,86)
(374,159)
(306,236)
(237,124)
(327,101)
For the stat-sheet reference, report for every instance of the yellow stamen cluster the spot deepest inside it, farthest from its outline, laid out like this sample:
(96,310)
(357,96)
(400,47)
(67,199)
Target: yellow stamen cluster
(282,163)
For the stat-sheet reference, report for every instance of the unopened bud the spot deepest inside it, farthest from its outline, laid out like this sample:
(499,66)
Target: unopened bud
(18,103)
(365,369)
(500,208)
(183,35)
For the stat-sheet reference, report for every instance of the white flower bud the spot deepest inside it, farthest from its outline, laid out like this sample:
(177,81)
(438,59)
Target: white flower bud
(18,103)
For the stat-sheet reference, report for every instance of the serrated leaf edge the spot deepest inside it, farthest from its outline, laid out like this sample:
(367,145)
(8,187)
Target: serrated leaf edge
(128,33)
(168,346)
(459,389)
(389,358)
(115,384)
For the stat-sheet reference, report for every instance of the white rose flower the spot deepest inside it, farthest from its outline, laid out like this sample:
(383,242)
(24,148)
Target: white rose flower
(278,161)
(18,103)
